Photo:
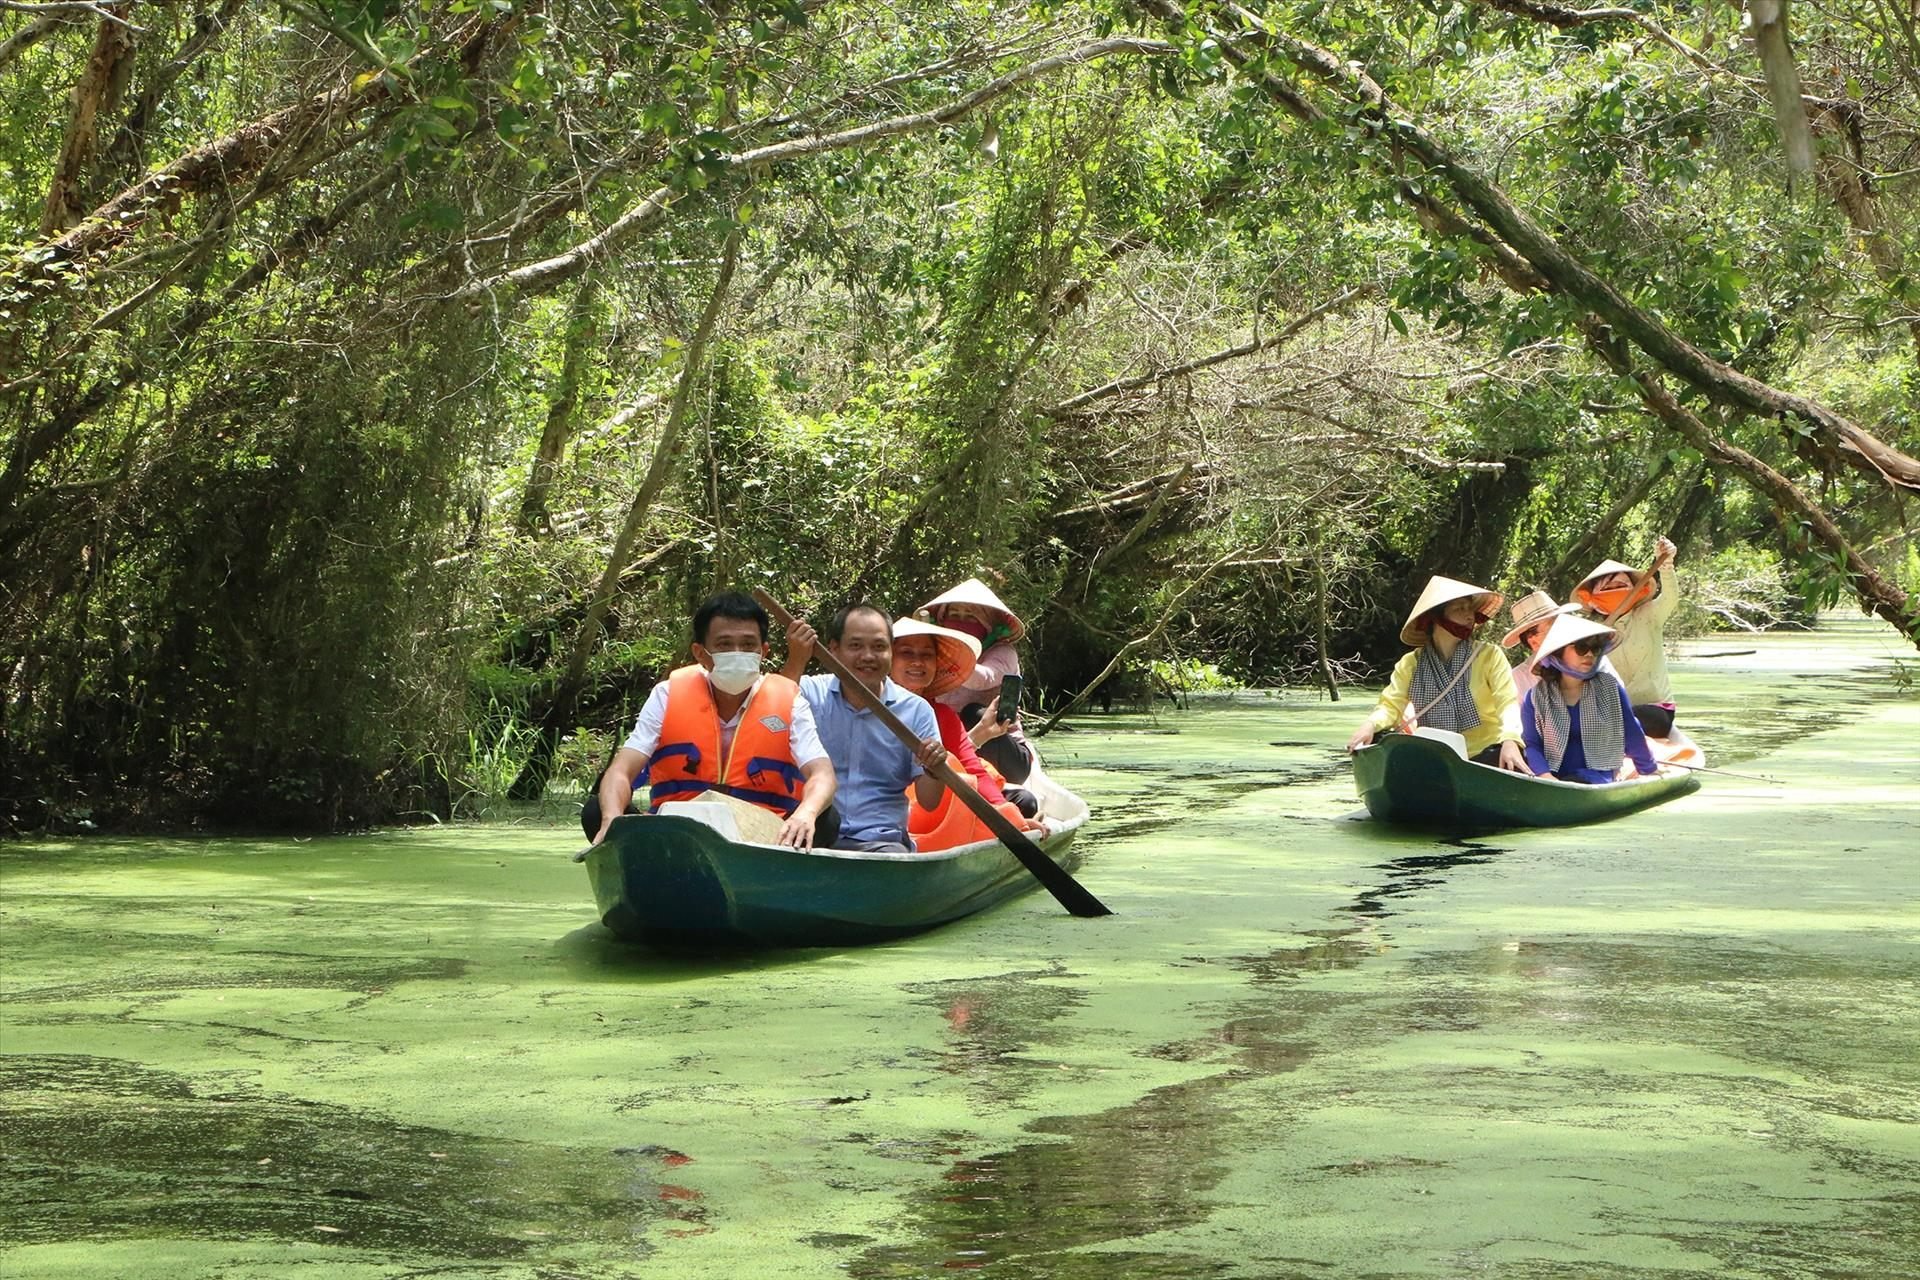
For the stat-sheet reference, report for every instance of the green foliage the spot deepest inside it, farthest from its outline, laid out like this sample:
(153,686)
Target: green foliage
(263,457)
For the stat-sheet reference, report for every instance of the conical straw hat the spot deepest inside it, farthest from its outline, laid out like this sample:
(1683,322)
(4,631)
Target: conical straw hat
(1606,567)
(974,591)
(1531,610)
(1441,591)
(954,654)
(1567,628)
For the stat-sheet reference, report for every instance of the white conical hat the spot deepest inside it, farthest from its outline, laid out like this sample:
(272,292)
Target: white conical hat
(1606,567)
(954,654)
(1566,629)
(974,591)
(1530,610)
(1441,591)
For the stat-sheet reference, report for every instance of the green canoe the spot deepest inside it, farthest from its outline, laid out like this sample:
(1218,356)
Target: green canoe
(1422,782)
(677,882)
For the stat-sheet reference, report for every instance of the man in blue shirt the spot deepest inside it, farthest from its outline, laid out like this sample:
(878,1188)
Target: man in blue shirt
(873,767)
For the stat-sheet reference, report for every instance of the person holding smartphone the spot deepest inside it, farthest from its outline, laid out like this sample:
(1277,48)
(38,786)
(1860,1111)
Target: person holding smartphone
(989,699)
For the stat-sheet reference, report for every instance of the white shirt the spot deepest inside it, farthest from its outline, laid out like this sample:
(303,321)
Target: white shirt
(804,739)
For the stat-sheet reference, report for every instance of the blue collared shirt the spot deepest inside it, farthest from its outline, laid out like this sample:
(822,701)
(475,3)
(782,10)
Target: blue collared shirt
(873,768)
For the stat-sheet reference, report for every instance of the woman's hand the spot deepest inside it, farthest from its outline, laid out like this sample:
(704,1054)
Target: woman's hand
(1512,758)
(1663,553)
(1362,738)
(989,726)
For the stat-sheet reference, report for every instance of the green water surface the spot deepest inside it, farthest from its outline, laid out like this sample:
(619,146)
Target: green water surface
(1683,1043)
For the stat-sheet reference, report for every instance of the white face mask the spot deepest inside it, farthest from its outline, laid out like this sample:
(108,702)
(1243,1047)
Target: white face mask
(734,672)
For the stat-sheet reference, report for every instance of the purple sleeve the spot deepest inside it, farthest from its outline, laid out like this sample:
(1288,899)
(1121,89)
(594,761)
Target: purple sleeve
(1636,738)
(1534,749)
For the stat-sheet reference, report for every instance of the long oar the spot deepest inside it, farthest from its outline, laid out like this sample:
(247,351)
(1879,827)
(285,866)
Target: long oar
(1725,773)
(1634,583)
(1071,893)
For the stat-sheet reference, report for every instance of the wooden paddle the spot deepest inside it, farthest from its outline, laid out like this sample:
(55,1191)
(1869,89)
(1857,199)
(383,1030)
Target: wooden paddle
(1070,892)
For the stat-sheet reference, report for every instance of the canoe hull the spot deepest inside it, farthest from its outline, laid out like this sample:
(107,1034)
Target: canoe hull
(677,882)
(1418,782)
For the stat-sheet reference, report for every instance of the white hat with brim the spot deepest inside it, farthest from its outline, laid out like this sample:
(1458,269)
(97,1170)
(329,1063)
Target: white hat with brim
(1530,610)
(1606,567)
(1568,628)
(1440,591)
(954,654)
(975,592)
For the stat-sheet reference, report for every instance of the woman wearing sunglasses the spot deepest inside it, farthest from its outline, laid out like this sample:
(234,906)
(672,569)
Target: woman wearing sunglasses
(1577,723)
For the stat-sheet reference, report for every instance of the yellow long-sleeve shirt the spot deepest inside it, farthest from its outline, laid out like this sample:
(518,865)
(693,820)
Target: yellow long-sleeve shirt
(1491,682)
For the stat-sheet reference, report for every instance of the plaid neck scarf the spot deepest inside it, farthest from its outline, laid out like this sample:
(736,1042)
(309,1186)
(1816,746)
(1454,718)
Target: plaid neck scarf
(1455,709)
(1603,731)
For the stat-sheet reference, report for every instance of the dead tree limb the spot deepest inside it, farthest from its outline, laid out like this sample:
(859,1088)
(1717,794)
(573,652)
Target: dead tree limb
(1293,329)
(1134,645)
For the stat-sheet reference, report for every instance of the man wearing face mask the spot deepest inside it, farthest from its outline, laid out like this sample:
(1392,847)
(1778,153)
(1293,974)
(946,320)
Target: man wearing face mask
(723,726)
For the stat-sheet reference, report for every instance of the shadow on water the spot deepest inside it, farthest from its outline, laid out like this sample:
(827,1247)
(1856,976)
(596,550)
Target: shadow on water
(101,1149)
(592,953)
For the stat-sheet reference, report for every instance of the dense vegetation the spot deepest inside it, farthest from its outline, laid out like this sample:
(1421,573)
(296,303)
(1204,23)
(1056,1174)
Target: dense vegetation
(381,383)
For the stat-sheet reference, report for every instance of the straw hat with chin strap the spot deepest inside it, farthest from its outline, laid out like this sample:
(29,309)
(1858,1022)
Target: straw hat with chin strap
(1568,628)
(1530,610)
(1606,567)
(1440,591)
(954,654)
(975,592)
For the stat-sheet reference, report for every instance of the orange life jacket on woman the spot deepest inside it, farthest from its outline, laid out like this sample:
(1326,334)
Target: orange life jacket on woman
(950,824)
(760,766)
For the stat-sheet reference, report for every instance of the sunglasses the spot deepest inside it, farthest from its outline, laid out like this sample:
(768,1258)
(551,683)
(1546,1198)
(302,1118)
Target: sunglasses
(1592,646)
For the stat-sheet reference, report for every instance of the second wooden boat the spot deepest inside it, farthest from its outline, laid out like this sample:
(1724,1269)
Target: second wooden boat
(1422,781)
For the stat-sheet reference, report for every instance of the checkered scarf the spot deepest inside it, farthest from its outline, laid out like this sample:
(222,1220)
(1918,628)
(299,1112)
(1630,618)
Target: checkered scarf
(1603,730)
(1455,708)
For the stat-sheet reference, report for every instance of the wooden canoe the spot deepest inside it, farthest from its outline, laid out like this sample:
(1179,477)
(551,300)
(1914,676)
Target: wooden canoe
(1422,782)
(677,882)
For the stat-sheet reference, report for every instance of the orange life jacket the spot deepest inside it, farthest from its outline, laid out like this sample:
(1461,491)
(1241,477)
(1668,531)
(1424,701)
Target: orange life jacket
(950,824)
(760,766)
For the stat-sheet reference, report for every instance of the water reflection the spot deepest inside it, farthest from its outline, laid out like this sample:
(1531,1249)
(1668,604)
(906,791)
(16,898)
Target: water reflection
(1113,1175)
(990,1021)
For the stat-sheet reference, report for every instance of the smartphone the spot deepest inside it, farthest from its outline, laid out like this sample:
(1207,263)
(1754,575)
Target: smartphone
(1009,699)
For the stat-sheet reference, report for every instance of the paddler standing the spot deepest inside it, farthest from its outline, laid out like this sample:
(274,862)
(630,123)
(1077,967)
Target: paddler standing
(1637,605)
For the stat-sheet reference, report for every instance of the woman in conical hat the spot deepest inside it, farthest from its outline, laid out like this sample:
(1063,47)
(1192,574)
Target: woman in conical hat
(929,661)
(1531,615)
(1451,681)
(1577,721)
(1637,606)
(974,609)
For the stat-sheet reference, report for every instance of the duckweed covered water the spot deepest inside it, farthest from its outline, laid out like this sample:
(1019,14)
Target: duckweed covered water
(1684,1043)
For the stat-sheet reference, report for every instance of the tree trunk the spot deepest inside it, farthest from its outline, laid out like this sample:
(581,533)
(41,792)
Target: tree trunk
(1598,536)
(1699,491)
(1320,644)
(96,94)
(563,411)
(1768,22)
(532,782)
